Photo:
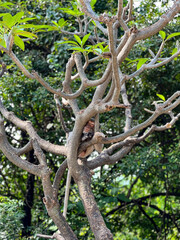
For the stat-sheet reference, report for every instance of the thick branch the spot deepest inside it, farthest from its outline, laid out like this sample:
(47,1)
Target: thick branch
(96,221)
(159,111)
(163,21)
(11,154)
(27,126)
(85,81)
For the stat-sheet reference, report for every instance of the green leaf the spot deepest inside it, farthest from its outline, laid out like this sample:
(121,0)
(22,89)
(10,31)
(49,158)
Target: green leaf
(3,14)
(26,26)
(162,34)
(141,62)
(69,42)
(3,42)
(75,12)
(8,20)
(32,26)
(61,22)
(53,228)
(18,17)
(174,51)
(6,4)
(98,50)
(26,20)
(93,2)
(110,199)
(78,39)
(85,38)
(79,49)
(93,22)
(19,42)
(129,60)
(161,97)
(55,23)
(173,35)
(26,34)
(123,198)
(36,27)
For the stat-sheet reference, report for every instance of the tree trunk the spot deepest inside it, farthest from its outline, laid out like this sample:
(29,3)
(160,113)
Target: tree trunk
(98,226)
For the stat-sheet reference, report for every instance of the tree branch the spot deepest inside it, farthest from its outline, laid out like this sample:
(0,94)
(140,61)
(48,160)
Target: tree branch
(11,154)
(148,217)
(27,126)
(163,21)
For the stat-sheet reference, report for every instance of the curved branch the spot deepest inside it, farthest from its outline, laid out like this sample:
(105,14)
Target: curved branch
(86,82)
(27,148)
(86,8)
(148,217)
(163,21)
(125,146)
(27,126)
(11,154)
(141,200)
(20,65)
(58,92)
(159,111)
(59,175)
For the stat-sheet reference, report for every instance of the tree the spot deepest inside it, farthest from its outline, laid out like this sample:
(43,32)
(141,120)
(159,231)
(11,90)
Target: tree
(112,49)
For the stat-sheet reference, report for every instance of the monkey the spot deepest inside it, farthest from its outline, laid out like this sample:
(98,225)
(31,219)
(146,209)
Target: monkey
(88,131)
(88,134)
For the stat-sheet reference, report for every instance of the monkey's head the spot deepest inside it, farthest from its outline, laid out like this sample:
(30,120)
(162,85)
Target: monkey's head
(88,131)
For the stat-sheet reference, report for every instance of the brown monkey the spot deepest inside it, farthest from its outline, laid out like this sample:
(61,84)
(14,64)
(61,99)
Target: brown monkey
(88,131)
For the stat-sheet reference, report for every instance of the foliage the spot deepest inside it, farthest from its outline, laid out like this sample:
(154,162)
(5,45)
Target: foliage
(155,165)
(11,214)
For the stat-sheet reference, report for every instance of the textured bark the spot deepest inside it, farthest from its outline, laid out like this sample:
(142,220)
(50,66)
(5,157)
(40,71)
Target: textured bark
(98,226)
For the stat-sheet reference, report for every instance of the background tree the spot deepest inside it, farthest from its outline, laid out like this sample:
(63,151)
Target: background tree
(113,131)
